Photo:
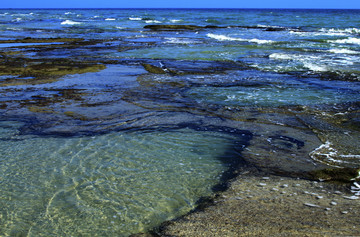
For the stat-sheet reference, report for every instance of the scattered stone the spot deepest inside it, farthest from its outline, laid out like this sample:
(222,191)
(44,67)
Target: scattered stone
(311,205)
(284,185)
(153,69)
(262,184)
(351,197)
(344,212)
(265,178)
(339,175)
(333,203)
(319,197)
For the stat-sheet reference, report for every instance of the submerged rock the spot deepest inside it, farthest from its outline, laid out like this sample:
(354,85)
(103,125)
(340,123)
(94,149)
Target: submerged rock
(153,69)
(181,27)
(42,72)
(339,175)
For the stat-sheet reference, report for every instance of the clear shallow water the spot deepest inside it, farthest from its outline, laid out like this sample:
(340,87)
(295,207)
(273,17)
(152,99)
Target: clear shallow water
(121,150)
(114,184)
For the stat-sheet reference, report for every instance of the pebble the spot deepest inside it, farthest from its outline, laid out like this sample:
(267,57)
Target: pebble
(265,178)
(262,184)
(319,197)
(351,198)
(311,205)
(333,203)
(284,185)
(344,212)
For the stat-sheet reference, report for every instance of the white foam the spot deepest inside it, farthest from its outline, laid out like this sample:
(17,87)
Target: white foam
(342,31)
(14,29)
(322,33)
(110,19)
(179,41)
(227,38)
(152,21)
(343,51)
(69,22)
(281,56)
(68,13)
(327,154)
(315,67)
(324,151)
(175,20)
(350,156)
(346,41)
(135,18)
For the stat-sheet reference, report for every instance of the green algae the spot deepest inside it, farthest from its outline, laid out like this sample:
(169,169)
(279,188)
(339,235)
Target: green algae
(173,27)
(39,109)
(43,72)
(75,115)
(153,69)
(41,40)
(337,175)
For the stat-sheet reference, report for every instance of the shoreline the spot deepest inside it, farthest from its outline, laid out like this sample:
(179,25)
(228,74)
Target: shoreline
(268,188)
(258,205)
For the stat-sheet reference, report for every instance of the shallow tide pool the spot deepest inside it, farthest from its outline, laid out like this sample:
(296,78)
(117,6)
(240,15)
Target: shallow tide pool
(106,185)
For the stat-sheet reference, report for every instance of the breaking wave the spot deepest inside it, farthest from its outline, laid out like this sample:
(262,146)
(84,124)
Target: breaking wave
(69,22)
(227,38)
(326,153)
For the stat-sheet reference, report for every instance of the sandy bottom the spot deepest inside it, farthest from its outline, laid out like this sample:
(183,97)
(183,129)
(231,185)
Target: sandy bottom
(273,206)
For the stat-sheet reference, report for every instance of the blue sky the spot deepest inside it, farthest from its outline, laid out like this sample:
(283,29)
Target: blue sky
(340,4)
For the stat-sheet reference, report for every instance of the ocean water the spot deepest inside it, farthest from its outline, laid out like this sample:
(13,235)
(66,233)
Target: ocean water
(119,150)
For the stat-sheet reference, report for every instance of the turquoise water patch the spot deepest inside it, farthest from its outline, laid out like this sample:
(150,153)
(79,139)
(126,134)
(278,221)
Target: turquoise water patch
(185,53)
(271,95)
(9,45)
(107,185)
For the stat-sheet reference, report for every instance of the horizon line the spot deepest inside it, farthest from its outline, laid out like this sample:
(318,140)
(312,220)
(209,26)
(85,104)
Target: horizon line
(170,8)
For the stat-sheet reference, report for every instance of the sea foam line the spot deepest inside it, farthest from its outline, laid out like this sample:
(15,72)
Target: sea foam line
(346,31)
(227,38)
(70,22)
(325,153)
(135,18)
(343,51)
(346,41)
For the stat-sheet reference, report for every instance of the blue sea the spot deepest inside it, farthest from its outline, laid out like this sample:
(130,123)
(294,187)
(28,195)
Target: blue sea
(177,102)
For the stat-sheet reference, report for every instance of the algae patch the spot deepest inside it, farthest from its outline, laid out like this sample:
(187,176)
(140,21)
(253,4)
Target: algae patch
(43,72)
(338,175)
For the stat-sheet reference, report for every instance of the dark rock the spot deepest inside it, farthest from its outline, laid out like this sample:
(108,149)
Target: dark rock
(172,27)
(153,69)
(339,175)
(180,27)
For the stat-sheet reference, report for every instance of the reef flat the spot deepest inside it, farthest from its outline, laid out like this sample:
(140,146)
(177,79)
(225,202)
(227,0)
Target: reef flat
(157,122)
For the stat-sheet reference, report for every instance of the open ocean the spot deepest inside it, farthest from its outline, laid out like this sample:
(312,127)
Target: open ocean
(113,121)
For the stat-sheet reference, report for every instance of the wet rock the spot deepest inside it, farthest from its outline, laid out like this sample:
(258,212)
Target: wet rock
(285,142)
(339,175)
(42,40)
(179,27)
(153,69)
(44,71)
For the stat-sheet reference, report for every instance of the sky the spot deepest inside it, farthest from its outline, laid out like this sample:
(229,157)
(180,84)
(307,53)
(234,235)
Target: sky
(325,4)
